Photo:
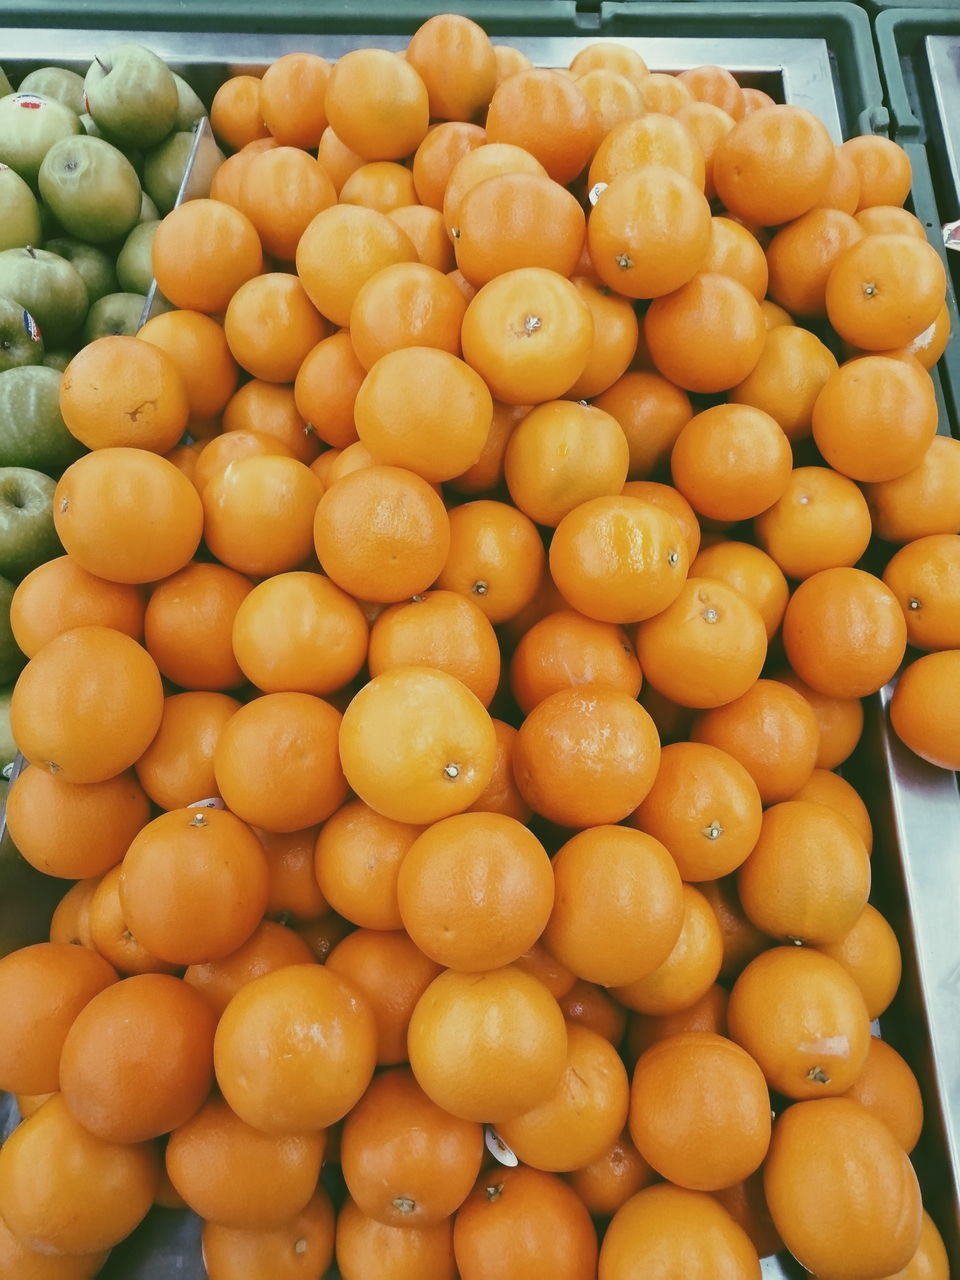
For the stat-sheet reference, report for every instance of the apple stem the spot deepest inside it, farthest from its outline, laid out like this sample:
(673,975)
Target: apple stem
(31,250)
(100,63)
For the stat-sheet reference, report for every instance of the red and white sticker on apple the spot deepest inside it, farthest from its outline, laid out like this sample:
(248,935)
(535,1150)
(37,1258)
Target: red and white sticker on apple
(29,101)
(31,327)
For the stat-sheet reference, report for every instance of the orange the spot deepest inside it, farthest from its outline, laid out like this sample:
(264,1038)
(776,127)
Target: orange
(271,324)
(609,1181)
(676,1231)
(281,190)
(619,559)
(62,1190)
(709,1013)
(923,706)
(923,501)
(885,290)
(18,1259)
(585,1113)
(715,85)
(548,115)
(708,122)
(731,462)
(525,1222)
(410,1253)
(377,103)
(58,595)
(217,454)
(109,933)
(487,1046)
(149,528)
(325,389)
(199,349)
(405,1161)
(841,724)
(786,380)
(380,184)
(235,112)
(771,730)
(613,97)
(44,986)
(270,946)
(652,139)
(138,1058)
(889,219)
(750,571)
(341,248)
(613,56)
(322,1038)
(844,633)
(588,1005)
(672,500)
(883,168)
(565,649)
(808,876)
(802,1017)
(563,453)
(121,391)
(513,220)
(271,409)
(450,744)
(427,233)
(357,858)
(501,794)
(438,153)
(303,784)
(925,577)
(528,333)
(829,788)
(458,65)
(382,534)
(699,1111)
(801,255)
(202,252)
(189,622)
(707,335)
(649,232)
(735,251)
(586,755)
(496,558)
(651,411)
(747,1204)
(820,521)
(665,92)
(299,632)
(741,940)
(193,885)
(391,971)
(294,895)
(236,1176)
(689,971)
(475,891)
(865,1217)
(843,189)
(74,830)
(258,514)
(473,165)
(773,165)
(337,158)
(292,92)
(704,649)
(424,409)
(608,878)
(70,921)
(406,305)
(305,1240)
(616,331)
(176,769)
(888,1088)
(704,807)
(87,705)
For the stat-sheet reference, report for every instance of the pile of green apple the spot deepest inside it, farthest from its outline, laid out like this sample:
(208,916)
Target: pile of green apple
(88,165)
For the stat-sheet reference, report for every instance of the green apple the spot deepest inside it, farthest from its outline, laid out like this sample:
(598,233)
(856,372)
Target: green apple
(59,83)
(135,261)
(12,659)
(189,107)
(95,265)
(58,359)
(21,342)
(51,289)
(117,313)
(27,534)
(32,431)
(27,896)
(148,209)
(8,748)
(29,126)
(165,166)
(20,219)
(93,130)
(5,85)
(132,95)
(92,188)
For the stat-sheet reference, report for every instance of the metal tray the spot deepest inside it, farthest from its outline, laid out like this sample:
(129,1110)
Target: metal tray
(915,808)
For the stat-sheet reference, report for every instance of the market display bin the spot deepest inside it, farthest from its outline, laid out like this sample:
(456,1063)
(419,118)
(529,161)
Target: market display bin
(915,808)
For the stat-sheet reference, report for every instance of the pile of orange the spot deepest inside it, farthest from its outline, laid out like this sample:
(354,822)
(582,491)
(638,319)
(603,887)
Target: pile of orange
(439,704)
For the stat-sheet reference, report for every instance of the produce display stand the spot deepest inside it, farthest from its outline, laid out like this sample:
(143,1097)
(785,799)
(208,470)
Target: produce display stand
(820,55)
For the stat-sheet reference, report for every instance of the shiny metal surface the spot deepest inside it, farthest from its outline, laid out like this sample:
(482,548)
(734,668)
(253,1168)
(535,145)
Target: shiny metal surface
(943,55)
